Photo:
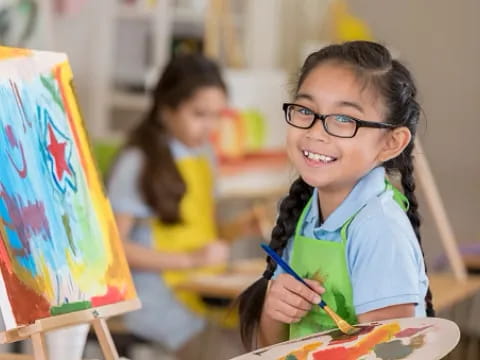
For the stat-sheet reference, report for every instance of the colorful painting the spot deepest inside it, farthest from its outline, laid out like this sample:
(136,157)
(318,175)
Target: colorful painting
(59,247)
(408,338)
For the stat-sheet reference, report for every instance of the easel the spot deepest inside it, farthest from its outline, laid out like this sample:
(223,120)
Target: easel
(434,202)
(95,316)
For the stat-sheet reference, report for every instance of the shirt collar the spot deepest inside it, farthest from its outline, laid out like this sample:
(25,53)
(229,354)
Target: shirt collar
(369,186)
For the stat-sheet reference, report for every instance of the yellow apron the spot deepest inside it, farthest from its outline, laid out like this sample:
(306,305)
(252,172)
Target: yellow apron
(196,229)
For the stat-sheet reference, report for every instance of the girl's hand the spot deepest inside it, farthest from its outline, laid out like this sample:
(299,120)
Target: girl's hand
(288,300)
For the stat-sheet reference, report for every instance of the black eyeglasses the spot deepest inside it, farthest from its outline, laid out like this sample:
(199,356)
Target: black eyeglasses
(338,125)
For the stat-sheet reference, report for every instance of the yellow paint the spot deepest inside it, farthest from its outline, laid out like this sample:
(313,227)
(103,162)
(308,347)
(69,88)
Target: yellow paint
(83,276)
(46,285)
(302,353)
(8,52)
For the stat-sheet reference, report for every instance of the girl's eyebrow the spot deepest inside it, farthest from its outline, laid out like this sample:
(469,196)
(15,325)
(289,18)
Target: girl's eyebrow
(304,96)
(351,104)
(342,103)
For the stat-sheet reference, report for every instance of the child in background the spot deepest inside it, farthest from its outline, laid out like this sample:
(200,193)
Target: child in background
(161,189)
(343,226)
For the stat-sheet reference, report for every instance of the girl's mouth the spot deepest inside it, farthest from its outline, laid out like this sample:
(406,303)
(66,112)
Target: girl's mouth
(318,158)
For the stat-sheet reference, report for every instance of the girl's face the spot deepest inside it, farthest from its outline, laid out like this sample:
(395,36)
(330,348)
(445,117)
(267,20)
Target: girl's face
(332,88)
(193,121)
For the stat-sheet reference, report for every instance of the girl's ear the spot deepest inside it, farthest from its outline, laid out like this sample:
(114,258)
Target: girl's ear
(396,141)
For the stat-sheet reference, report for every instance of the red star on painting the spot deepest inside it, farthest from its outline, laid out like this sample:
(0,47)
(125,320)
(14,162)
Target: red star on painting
(57,149)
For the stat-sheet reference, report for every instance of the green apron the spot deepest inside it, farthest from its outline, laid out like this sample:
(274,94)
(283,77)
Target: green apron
(326,262)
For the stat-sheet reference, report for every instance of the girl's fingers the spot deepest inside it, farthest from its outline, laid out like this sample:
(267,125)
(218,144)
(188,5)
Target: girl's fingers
(296,287)
(283,294)
(279,316)
(315,285)
(286,313)
(296,301)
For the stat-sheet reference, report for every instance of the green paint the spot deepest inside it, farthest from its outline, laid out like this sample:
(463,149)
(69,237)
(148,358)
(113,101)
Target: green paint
(392,350)
(70,307)
(50,85)
(93,253)
(68,230)
(291,357)
(341,304)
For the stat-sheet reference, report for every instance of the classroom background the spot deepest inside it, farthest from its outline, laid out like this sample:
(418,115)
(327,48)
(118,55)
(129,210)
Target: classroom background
(117,49)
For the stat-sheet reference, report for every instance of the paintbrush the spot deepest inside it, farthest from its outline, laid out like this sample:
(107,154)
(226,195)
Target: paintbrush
(344,326)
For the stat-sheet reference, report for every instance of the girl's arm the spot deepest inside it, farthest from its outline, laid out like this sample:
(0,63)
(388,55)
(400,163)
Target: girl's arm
(271,331)
(389,312)
(144,258)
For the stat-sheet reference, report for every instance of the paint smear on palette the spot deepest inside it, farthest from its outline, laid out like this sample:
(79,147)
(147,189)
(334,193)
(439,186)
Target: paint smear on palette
(363,346)
(339,337)
(302,353)
(408,332)
(396,350)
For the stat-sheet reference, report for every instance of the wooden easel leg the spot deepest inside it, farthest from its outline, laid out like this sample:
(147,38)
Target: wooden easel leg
(439,214)
(105,339)
(39,347)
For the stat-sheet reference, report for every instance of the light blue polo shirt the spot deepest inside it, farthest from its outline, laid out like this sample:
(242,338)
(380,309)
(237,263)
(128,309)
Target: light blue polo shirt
(385,262)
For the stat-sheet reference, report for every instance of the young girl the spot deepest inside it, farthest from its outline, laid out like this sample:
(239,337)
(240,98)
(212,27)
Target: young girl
(162,192)
(343,226)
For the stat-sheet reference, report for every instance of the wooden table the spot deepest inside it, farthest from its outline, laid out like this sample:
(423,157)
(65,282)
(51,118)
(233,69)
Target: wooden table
(447,291)
(472,262)
(15,357)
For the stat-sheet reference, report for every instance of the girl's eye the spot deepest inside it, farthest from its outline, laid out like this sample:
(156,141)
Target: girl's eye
(343,119)
(304,111)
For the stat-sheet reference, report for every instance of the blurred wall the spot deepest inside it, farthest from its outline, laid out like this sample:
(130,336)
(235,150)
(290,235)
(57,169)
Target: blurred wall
(439,41)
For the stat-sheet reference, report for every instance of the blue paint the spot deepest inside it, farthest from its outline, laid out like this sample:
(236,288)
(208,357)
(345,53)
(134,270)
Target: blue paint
(28,263)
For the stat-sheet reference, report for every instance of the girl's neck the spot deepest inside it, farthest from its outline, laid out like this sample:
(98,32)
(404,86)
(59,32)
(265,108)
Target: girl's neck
(328,201)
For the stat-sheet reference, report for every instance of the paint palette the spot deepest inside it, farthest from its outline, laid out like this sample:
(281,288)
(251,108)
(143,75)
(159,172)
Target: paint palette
(407,338)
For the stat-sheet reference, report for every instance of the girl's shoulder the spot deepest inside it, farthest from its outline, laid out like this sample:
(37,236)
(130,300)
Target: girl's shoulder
(380,217)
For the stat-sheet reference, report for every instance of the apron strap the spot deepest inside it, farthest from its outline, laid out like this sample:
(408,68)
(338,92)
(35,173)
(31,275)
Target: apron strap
(298,228)
(397,196)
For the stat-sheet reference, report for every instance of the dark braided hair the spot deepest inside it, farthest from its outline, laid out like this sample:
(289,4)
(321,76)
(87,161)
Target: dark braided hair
(372,64)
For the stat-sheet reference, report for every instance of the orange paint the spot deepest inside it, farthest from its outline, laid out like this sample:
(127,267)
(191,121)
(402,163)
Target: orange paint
(377,336)
(362,347)
(28,304)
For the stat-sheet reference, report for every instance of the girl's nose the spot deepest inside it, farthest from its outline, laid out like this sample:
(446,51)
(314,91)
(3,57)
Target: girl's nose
(317,132)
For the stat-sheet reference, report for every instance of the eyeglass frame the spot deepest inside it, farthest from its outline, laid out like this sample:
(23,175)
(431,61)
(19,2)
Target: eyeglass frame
(322,117)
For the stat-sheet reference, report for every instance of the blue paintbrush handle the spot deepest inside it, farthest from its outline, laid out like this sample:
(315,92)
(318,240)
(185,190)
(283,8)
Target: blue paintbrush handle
(280,262)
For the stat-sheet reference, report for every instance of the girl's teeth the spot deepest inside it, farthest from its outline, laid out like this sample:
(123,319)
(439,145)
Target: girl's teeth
(317,157)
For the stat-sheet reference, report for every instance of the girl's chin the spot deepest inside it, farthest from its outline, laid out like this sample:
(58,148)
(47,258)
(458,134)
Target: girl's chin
(314,181)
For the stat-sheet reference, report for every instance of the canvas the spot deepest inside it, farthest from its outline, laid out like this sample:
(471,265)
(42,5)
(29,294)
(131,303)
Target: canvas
(408,338)
(59,246)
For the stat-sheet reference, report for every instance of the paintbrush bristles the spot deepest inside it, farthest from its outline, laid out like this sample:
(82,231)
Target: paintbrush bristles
(344,326)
